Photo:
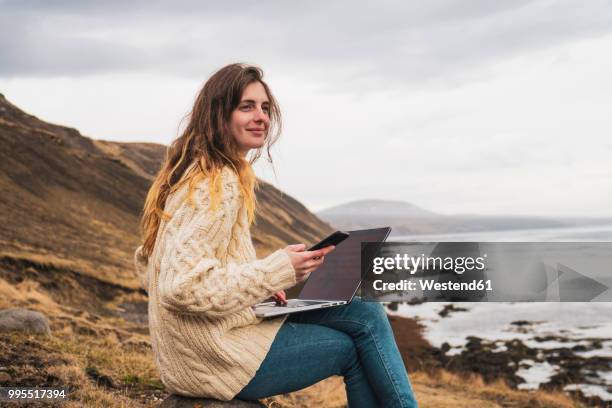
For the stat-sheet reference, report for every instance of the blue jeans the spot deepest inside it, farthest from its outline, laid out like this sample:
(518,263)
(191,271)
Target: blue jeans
(353,340)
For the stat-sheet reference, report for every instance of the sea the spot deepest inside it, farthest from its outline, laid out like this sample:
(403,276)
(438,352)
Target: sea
(568,324)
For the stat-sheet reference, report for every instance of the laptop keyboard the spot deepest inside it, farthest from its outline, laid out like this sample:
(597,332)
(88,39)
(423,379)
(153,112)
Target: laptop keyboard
(300,304)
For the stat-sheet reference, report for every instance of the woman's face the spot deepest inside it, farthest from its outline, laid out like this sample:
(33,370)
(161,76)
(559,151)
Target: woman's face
(251,119)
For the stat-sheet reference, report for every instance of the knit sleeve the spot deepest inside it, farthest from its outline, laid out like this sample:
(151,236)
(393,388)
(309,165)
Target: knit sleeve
(193,280)
(141,263)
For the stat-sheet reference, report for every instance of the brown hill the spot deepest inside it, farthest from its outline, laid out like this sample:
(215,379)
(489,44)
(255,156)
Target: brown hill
(281,219)
(75,202)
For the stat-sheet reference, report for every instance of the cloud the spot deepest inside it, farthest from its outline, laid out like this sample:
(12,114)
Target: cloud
(370,44)
(457,106)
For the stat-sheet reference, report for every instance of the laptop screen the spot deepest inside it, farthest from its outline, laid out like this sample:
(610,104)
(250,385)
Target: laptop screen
(339,276)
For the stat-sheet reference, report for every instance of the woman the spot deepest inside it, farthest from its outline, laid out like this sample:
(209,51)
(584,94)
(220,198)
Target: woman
(200,269)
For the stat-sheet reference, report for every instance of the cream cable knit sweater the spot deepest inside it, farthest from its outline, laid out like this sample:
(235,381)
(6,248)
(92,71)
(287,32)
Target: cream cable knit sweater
(202,279)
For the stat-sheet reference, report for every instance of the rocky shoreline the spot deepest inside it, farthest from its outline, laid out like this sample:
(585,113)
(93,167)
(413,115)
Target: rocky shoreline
(559,367)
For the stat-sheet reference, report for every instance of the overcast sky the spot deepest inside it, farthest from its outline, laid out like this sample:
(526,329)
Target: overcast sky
(490,107)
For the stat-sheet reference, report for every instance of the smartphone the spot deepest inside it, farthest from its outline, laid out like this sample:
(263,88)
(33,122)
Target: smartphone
(334,239)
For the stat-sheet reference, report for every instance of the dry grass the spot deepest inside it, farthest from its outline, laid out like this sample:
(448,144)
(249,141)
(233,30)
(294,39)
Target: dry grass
(433,390)
(328,393)
(72,358)
(26,294)
(78,344)
(108,347)
(442,389)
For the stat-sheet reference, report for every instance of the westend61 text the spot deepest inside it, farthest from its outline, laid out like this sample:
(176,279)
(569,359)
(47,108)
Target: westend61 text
(432,284)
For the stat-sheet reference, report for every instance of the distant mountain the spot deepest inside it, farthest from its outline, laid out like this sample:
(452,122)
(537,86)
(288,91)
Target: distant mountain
(74,202)
(377,208)
(408,219)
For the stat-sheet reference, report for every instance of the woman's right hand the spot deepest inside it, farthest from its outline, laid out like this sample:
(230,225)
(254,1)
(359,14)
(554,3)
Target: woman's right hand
(305,262)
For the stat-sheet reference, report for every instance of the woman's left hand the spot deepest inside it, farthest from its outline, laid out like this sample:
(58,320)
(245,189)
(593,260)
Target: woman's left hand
(280,297)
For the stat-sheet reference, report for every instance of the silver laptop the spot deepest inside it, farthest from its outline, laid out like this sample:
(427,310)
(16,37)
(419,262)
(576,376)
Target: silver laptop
(336,281)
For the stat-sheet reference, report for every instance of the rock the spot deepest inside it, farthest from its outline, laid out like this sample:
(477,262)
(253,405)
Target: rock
(100,379)
(23,320)
(176,401)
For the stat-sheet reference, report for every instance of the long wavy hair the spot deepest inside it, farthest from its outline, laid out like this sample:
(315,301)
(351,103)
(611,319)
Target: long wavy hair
(208,142)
